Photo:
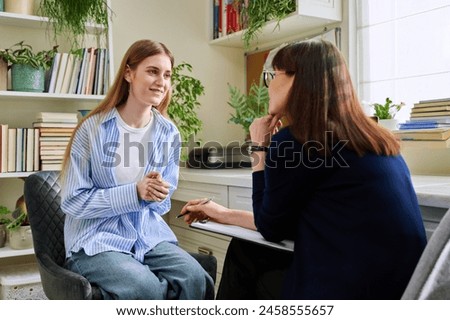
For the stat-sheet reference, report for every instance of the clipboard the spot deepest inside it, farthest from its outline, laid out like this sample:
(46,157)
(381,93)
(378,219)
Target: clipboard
(242,233)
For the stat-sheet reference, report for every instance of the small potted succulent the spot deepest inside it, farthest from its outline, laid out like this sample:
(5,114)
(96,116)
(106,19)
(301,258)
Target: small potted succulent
(386,113)
(27,67)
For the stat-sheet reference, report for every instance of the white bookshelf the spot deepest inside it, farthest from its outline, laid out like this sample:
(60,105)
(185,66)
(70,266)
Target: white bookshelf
(36,22)
(310,17)
(7,252)
(18,108)
(7,95)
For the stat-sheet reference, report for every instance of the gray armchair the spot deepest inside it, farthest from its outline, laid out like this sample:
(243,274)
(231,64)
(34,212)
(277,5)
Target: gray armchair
(42,197)
(431,278)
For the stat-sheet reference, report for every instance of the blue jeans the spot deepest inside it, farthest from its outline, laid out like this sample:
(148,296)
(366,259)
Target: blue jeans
(168,272)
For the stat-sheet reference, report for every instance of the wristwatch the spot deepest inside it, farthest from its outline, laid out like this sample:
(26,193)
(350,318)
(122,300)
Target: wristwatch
(252,149)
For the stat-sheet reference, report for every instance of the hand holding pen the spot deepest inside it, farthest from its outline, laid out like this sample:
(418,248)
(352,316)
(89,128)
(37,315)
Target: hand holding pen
(184,211)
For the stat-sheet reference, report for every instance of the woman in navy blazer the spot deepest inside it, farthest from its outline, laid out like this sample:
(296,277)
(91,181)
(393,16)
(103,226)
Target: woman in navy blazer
(333,181)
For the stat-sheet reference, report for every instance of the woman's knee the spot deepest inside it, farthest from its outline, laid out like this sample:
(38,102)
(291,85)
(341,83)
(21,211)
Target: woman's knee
(139,287)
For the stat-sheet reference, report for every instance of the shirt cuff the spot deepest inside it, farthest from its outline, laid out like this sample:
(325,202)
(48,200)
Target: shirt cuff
(124,198)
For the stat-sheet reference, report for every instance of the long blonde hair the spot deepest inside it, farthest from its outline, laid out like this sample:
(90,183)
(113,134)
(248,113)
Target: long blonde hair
(118,92)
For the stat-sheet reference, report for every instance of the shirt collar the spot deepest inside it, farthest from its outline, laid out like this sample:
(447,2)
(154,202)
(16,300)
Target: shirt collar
(159,118)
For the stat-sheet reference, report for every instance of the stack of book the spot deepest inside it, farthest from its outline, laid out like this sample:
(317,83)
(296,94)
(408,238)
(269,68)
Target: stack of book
(428,114)
(429,125)
(424,138)
(55,130)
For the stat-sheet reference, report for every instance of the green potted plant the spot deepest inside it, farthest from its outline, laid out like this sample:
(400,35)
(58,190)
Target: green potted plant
(186,90)
(4,221)
(386,113)
(69,18)
(249,106)
(27,67)
(257,12)
(20,236)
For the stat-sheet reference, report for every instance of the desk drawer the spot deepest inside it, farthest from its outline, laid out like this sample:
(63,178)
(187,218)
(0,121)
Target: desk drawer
(240,198)
(193,190)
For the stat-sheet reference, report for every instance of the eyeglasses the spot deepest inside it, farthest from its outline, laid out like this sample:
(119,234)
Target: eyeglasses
(269,75)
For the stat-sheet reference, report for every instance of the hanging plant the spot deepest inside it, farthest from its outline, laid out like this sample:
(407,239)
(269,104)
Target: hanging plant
(257,12)
(69,17)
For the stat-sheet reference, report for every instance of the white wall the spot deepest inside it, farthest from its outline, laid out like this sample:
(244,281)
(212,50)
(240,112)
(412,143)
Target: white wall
(184,26)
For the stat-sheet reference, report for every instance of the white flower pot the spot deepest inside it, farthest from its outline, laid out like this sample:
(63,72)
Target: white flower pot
(21,238)
(390,124)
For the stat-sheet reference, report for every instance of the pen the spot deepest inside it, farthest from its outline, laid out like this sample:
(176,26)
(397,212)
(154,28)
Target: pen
(187,212)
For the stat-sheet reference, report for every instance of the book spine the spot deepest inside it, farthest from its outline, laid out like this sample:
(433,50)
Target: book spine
(61,72)
(54,74)
(12,140)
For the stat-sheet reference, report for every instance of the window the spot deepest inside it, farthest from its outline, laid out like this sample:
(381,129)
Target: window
(403,51)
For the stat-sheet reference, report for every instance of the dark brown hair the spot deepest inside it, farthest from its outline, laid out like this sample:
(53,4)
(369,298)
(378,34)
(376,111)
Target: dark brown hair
(118,92)
(322,100)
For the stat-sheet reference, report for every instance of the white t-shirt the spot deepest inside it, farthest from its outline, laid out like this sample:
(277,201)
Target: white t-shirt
(132,150)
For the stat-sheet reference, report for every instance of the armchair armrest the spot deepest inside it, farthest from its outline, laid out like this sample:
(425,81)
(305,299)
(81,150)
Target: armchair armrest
(60,283)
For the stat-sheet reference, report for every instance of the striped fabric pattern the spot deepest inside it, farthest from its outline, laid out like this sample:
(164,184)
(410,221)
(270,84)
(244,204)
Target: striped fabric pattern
(102,215)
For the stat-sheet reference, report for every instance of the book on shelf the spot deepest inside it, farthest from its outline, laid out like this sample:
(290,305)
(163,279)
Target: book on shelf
(57,143)
(56,134)
(36,150)
(429,144)
(106,73)
(52,116)
(51,166)
(56,139)
(67,74)
(54,72)
(429,109)
(90,70)
(61,72)
(216,19)
(101,72)
(75,75)
(83,67)
(29,155)
(432,103)
(51,152)
(423,134)
(56,130)
(233,14)
(422,124)
(4,148)
(54,124)
(430,114)
(52,156)
(97,71)
(435,120)
(435,100)
(19,150)
(12,140)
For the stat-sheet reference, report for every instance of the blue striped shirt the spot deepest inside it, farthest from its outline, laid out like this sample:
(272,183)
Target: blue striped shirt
(102,215)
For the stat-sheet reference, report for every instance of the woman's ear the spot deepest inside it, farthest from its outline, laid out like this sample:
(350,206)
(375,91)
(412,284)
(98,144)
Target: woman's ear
(127,74)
